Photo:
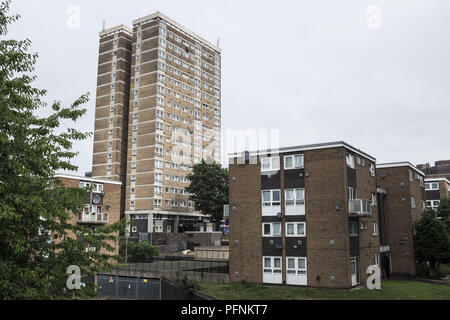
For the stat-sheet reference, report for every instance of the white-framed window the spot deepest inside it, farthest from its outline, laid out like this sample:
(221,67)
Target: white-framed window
(364,225)
(350,160)
(353,228)
(271,229)
(295,201)
(295,229)
(432,186)
(270,163)
(296,271)
(86,185)
(351,193)
(98,188)
(373,199)
(157,203)
(413,202)
(376,259)
(294,161)
(411,177)
(372,169)
(271,202)
(374,228)
(433,204)
(272,270)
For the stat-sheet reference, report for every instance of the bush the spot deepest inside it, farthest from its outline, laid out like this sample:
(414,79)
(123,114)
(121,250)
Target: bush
(444,270)
(190,285)
(140,250)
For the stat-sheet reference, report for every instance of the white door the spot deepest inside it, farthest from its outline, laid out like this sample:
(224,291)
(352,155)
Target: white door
(272,270)
(296,271)
(354,271)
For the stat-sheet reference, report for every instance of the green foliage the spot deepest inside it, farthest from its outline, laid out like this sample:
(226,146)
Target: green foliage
(141,250)
(431,241)
(37,241)
(190,285)
(209,189)
(443,212)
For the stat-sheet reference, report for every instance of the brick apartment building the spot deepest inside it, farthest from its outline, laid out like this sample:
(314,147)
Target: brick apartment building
(401,200)
(158,111)
(102,204)
(304,215)
(436,189)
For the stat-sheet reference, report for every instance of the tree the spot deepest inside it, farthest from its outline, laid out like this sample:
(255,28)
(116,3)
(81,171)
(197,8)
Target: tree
(37,241)
(209,189)
(431,241)
(443,212)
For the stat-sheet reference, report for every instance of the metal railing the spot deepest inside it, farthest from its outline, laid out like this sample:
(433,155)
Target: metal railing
(175,264)
(93,218)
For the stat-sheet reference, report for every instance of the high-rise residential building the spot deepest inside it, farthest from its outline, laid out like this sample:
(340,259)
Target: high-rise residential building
(158,112)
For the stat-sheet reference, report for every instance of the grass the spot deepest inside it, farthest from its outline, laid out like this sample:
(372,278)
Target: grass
(390,290)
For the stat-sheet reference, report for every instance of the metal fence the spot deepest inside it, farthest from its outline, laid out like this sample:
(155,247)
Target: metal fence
(176,264)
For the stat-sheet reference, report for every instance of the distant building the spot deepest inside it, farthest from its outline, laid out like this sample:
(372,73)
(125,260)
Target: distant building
(440,169)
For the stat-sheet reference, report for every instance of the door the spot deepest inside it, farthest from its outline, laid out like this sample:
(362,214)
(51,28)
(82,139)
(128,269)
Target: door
(272,270)
(354,271)
(296,271)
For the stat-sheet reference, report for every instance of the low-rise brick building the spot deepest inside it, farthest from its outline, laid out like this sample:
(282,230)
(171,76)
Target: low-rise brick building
(401,199)
(304,215)
(436,188)
(103,203)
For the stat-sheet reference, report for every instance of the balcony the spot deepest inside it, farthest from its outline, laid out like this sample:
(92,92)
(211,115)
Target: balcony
(98,218)
(359,208)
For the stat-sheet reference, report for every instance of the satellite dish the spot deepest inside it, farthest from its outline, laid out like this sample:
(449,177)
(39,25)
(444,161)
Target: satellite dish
(96,199)
(278,244)
(279,215)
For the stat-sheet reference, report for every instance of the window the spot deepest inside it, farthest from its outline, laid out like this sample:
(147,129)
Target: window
(372,169)
(157,203)
(295,265)
(270,164)
(374,228)
(295,229)
(376,259)
(272,265)
(413,202)
(353,227)
(294,161)
(351,193)
(295,201)
(271,198)
(411,178)
(373,199)
(350,160)
(272,229)
(364,225)
(432,186)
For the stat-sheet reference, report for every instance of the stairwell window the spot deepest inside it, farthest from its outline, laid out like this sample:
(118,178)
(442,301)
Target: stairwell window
(372,169)
(350,160)
(413,202)
(374,228)
(353,228)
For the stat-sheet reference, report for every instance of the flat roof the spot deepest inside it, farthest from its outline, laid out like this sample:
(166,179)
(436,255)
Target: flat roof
(81,178)
(118,28)
(175,24)
(399,164)
(316,146)
(437,179)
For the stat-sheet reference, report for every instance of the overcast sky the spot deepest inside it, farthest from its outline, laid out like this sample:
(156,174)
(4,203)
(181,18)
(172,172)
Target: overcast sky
(316,70)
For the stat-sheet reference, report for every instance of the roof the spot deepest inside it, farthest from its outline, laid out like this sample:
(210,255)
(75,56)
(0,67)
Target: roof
(316,146)
(430,179)
(121,27)
(81,178)
(399,164)
(177,26)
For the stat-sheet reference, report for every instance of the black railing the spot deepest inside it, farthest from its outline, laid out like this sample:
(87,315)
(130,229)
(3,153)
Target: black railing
(176,264)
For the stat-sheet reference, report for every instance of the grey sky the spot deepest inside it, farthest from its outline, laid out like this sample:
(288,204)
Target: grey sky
(312,69)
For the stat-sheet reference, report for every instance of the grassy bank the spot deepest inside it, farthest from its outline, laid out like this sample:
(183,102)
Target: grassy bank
(390,290)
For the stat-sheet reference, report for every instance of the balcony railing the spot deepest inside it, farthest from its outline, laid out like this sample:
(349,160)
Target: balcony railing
(359,207)
(93,218)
